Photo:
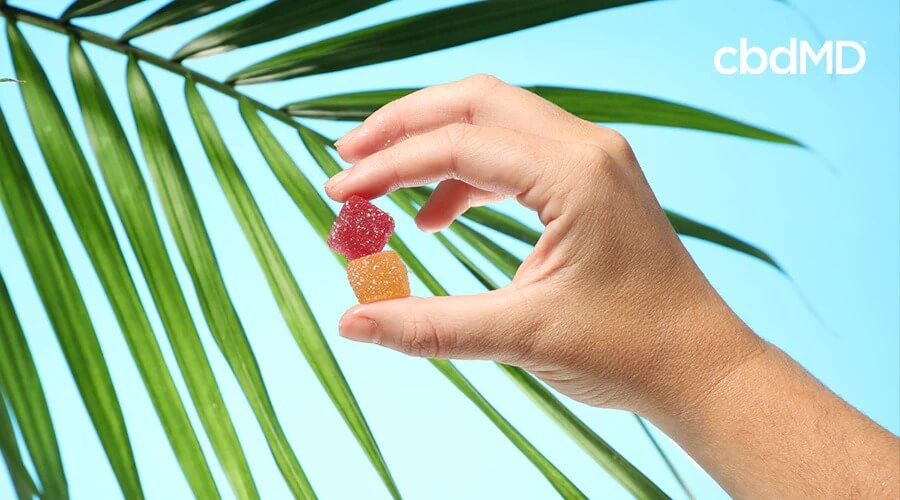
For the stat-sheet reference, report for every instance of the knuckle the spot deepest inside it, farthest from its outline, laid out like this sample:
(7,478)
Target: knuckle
(457,132)
(482,82)
(419,337)
(386,162)
(594,155)
(456,135)
(614,143)
(617,142)
(595,161)
(475,89)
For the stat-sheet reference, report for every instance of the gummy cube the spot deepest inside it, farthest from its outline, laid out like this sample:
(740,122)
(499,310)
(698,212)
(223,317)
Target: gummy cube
(379,276)
(361,229)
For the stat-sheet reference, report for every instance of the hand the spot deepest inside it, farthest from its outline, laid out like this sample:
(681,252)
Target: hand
(609,308)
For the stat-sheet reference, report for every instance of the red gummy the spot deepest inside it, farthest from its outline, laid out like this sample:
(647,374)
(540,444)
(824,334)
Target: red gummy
(361,229)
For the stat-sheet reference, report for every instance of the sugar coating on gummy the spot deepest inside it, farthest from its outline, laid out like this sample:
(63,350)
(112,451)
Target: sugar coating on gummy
(361,229)
(379,276)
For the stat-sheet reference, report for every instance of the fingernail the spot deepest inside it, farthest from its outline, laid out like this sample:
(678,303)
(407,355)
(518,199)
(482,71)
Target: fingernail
(347,137)
(334,181)
(359,328)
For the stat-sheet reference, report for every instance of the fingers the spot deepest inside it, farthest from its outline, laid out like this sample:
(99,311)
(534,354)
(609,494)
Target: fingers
(448,201)
(479,100)
(486,326)
(497,160)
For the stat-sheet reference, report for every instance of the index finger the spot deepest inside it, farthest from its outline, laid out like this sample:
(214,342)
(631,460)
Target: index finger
(497,160)
(478,100)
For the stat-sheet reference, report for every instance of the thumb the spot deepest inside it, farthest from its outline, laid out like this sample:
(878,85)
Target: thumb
(491,325)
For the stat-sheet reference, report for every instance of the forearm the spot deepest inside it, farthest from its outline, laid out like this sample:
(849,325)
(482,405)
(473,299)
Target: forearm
(767,429)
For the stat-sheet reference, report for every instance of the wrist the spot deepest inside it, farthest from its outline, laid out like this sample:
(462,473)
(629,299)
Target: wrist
(714,347)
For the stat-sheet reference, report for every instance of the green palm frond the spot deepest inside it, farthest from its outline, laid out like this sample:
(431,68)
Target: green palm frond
(65,307)
(592,105)
(173,13)
(9,448)
(270,22)
(22,401)
(19,383)
(415,35)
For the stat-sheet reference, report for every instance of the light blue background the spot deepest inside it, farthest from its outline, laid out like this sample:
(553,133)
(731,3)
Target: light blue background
(837,235)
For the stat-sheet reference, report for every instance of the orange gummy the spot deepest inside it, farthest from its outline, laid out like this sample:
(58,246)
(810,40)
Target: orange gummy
(380,276)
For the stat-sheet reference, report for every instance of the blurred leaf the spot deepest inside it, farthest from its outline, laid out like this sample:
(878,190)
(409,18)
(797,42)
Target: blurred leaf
(560,482)
(183,214)
(618,467)
(499,256)
(82,8)
(592,105)
(415,35)
(689,227)
(317,146)
(299,317)
(463,259)
(9,448)
(132,201)
(485,216)
(270,22)
(665,457)
(175,12)
(65,308)
(617,107)
(20,383)
(684,226)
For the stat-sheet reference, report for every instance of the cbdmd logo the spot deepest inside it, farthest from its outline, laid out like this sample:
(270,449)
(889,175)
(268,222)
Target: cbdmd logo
(833,57)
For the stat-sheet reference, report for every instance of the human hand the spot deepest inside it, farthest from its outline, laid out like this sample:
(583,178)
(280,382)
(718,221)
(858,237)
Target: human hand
(609,308)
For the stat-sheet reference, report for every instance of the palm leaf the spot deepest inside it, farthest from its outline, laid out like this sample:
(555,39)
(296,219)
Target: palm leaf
(270,22)
(592,105)
(287,293)
(66,309)
(618,467)
(20,383)
(175,12)
(82,8)
(618,107)
(415,35)
(557,479)
(689,227)
(509,226)
(132,201)
(183,214)
(662,454)
(9,448)
(306,331)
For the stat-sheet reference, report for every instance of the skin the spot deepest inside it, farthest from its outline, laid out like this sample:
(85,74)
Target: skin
(609,308)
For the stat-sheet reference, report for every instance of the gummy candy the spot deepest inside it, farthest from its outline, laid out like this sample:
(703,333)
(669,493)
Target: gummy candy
(361,229)
(379,276)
